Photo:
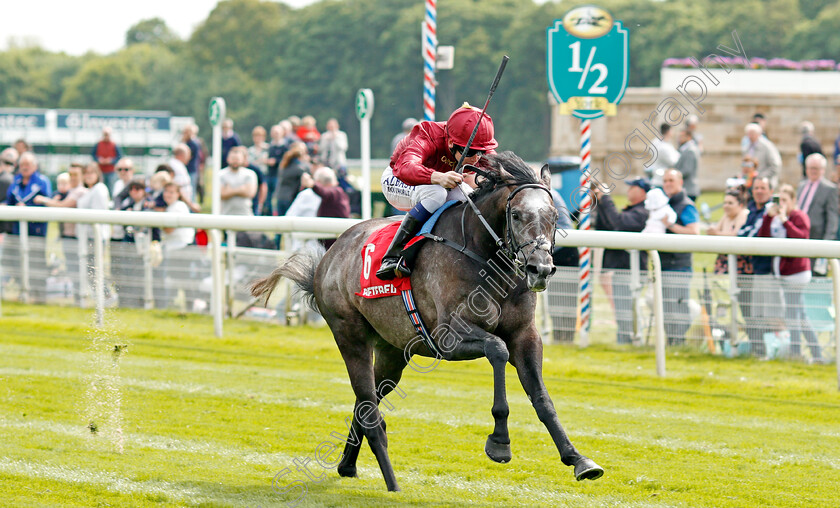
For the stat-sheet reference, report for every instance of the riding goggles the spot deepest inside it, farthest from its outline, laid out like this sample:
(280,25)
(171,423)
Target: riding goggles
(469,152)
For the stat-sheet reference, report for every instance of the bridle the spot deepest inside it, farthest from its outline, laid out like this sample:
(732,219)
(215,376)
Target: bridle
(510,247)
(514,247)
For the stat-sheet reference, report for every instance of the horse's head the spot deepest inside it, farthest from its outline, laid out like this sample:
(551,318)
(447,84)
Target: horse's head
(528,214)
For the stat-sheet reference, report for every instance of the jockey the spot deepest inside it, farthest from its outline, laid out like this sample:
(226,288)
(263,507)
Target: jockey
(421,176)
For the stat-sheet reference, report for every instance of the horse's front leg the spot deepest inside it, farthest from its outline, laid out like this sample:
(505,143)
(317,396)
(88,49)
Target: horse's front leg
(473,342)
(526,355)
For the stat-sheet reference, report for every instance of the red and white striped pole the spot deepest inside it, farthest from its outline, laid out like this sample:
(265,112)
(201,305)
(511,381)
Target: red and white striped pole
(429,59)
(585,253)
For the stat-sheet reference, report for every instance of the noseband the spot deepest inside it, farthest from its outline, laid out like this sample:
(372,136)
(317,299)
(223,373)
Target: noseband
(510,247)
(513,247)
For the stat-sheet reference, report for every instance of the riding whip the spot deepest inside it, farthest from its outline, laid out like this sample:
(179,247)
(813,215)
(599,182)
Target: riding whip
(460,166)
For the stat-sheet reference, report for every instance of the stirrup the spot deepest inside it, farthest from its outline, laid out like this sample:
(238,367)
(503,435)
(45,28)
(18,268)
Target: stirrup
(393,268)
(402,269)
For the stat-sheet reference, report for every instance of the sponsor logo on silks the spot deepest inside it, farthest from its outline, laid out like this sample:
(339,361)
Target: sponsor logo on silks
(588,22)
(396,186)
(384,289)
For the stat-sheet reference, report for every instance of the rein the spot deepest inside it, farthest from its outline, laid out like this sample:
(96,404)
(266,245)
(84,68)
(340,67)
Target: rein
(509,246)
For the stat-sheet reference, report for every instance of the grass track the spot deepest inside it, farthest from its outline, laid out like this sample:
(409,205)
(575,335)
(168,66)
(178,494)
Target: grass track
(209,422)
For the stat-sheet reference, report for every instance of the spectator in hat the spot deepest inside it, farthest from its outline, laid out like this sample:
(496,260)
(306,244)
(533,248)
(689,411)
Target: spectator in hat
(632,218)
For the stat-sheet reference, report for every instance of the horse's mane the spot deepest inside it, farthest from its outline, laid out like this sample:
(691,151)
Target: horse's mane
(506,168)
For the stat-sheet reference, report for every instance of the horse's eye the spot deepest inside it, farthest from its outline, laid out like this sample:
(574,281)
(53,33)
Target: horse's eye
(515,215)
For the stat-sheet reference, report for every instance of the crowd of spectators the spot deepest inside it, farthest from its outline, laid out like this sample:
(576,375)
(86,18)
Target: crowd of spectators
(754,205)
(264,178)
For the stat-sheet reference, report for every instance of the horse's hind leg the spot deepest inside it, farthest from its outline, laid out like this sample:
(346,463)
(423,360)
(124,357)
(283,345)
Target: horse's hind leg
(526,356)
(388,368)
(357,352)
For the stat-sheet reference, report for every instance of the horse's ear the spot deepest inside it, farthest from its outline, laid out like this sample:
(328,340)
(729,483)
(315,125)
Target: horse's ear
(545,176)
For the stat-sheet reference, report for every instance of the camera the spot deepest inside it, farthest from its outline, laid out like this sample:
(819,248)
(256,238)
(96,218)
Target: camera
(775,199)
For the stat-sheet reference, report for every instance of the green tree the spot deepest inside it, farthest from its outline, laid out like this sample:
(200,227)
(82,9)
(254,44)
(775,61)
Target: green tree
(118,81)
(152,31)
(239,33)
(817,38)
(34,77)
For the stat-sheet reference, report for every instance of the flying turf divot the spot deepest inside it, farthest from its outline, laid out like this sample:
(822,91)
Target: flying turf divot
(102,405)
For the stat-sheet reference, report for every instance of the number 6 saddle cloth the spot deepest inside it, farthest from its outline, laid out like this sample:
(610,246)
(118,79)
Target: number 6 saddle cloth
(374,249)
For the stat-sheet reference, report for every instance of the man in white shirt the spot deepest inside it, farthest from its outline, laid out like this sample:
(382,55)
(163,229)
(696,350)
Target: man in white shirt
(667,156)
(180,157)
(306,204)
(238,186)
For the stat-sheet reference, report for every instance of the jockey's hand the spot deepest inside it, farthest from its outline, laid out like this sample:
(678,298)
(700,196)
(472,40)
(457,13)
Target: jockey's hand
(448,180)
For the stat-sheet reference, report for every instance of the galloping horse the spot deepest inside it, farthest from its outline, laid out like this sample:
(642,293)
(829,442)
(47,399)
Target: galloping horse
(479,298)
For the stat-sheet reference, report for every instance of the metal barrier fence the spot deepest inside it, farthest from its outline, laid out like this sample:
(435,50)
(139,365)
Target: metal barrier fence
(139,274)
(751,315)
(756,315)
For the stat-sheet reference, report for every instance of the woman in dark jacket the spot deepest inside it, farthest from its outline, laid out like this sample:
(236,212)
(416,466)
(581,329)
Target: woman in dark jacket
(786,221)
(295,163)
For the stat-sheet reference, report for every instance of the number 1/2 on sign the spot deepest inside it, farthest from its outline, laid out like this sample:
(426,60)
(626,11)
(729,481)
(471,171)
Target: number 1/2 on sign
(600,68)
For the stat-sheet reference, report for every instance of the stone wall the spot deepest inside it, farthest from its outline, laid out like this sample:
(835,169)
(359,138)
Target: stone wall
(721,124)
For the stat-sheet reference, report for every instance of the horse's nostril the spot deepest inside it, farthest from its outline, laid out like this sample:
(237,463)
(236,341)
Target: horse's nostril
(532,269)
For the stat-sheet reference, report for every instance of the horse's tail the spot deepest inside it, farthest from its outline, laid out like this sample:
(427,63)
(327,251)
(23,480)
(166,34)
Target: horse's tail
(299,268)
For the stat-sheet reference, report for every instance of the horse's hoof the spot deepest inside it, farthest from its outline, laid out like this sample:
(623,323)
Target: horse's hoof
(587,469)
(498,452)
(347,471)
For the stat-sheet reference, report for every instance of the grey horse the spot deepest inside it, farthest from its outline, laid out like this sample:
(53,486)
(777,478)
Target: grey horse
(478,297)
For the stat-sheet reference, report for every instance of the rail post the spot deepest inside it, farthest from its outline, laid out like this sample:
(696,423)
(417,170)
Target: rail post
(658,313)
(25,284)
(734,291)
(99,275)
(835,278)
(217,294)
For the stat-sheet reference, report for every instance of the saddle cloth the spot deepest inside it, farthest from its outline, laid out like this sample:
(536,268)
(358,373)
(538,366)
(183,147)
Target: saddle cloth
(374,249)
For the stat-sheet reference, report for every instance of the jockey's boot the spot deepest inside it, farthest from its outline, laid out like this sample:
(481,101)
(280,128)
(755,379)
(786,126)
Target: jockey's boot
(392,264)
